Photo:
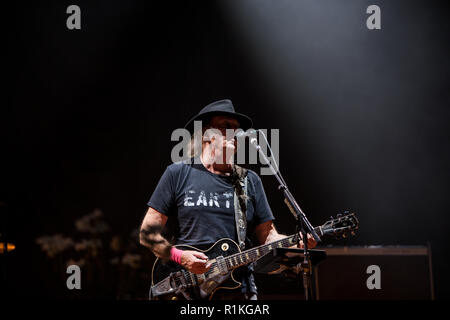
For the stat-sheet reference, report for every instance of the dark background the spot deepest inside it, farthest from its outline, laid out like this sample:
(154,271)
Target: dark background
(87,116)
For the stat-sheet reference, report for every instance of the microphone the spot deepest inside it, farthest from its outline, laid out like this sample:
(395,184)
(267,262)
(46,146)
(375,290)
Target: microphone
(249,133)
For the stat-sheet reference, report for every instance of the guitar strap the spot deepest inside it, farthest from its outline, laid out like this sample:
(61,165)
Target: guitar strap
(239,212)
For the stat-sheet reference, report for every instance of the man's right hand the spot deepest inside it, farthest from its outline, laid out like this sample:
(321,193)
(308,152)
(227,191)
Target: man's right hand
(195,262)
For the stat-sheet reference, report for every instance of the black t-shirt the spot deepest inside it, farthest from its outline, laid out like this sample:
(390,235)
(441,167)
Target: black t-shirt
(203,203)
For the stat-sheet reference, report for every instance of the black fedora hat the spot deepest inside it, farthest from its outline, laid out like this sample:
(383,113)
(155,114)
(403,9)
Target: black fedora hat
(220,108)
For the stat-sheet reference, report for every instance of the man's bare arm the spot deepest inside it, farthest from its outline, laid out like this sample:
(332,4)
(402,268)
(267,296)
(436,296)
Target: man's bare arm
(266,233)
(150,234)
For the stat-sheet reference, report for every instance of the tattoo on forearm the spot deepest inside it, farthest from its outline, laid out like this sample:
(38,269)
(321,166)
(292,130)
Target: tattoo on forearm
(152,238)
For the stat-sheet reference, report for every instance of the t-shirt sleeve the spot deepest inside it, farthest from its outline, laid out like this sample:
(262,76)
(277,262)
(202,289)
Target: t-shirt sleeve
(162,199)
(263,213)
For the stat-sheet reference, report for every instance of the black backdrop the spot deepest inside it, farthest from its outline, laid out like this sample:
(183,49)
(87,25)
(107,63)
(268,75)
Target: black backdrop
(87,116)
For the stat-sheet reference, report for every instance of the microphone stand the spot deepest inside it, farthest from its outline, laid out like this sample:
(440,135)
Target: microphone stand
(303,225)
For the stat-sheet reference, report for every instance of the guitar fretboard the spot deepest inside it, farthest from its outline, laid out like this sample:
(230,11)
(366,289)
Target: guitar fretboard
(251,255)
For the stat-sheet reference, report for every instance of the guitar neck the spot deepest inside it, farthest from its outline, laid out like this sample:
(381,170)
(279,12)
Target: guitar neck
(253,254)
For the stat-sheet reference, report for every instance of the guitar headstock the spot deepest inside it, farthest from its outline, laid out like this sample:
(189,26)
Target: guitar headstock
(343,226)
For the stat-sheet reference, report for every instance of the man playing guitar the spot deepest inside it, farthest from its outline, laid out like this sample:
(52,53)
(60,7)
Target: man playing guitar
(199,194)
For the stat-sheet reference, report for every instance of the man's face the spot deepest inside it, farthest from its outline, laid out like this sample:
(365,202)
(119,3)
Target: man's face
(223,143)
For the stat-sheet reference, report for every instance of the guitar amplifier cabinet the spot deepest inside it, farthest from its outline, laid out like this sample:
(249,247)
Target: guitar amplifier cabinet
(375,272)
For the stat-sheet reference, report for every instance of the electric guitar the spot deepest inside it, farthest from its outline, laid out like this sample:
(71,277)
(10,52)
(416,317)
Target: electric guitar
(170,281)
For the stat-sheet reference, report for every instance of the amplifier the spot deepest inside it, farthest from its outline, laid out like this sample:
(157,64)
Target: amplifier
(375,272)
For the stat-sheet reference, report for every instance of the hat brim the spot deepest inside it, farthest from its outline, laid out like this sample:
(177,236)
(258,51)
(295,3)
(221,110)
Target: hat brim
(244,121)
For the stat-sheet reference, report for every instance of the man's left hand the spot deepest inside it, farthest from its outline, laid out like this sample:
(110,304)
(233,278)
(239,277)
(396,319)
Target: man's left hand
(311,242)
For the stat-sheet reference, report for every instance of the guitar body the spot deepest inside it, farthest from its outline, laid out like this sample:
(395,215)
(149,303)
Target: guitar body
(205,285)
